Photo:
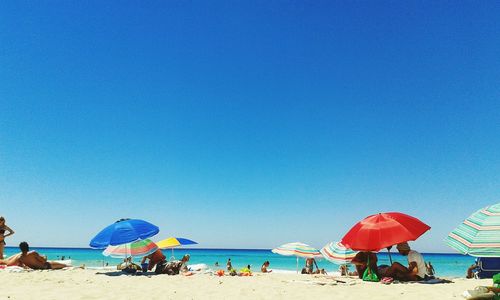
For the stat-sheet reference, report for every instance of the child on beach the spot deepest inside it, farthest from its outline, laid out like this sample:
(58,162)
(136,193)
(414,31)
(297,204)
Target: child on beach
(264,267)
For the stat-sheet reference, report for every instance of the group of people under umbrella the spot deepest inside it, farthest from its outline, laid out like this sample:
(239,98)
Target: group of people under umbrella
(360,244)
(127,238)
(478,235)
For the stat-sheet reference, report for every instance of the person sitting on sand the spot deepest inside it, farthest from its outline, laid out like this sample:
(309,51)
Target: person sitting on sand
(472,269)
(264,267)
(309,268)
(177,266)
(154,259)
(360,261)
(33,260)
(416,269)
(344,271)
(128,266)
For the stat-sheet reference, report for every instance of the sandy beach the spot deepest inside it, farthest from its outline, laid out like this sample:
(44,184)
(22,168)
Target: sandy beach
(93,284)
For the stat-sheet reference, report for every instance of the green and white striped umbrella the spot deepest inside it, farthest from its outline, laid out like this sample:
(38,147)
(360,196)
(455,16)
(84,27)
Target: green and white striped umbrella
(479,234)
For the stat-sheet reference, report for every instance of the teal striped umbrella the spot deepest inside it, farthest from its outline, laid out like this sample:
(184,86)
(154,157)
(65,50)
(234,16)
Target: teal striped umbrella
(299,250)
(479,234)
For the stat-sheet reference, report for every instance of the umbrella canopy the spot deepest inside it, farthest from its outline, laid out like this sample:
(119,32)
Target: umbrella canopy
(122,232)
(137,248)
(172,242)
(383,230)
(479,234)
(337,253)
(298,249)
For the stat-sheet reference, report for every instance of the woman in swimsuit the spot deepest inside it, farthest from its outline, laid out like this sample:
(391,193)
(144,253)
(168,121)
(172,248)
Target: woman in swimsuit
(3,229)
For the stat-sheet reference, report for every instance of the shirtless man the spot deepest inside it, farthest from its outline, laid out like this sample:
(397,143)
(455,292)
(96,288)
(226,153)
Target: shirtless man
(33,260)
(154,258)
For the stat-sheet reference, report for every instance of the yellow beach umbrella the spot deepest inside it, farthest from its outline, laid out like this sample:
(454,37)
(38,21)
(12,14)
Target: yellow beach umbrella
(172,242)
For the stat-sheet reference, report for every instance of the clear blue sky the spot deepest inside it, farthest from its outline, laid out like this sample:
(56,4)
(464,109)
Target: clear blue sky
(246,124)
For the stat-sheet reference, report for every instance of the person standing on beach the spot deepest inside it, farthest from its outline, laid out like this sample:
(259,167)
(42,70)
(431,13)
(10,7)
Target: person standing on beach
(229,265)
(3,229)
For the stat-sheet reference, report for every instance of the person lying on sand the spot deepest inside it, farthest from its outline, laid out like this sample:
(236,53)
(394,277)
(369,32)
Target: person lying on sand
(33,260)
(245,271)
(11,261)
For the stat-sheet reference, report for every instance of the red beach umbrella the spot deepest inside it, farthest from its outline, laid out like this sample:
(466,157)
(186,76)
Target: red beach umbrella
(383,230)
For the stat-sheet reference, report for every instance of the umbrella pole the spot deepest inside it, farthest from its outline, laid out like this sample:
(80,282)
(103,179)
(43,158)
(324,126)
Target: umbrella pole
(389,252)
(297,265)
(173,253)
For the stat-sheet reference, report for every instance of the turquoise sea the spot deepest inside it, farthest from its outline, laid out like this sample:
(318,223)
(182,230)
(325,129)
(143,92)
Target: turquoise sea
(449,265)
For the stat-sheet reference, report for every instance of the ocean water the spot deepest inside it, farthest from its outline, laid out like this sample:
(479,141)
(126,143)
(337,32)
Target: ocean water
(448,265)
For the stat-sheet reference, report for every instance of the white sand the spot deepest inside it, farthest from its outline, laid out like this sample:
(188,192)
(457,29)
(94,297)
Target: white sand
(87,284)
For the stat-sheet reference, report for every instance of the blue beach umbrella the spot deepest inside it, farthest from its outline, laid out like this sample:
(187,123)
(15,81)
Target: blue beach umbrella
(122,232)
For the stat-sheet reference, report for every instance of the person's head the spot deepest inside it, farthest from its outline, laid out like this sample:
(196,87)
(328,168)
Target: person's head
(2,220)
(24,247)
(266,263)
(229,260)
(185,258)
(403,248)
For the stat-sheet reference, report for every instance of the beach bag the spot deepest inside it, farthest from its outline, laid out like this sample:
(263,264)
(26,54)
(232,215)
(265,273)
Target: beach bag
(496,283)
(479,293)
(369,274)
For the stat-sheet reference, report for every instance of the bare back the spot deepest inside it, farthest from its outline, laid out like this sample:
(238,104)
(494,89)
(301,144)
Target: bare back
(34,260)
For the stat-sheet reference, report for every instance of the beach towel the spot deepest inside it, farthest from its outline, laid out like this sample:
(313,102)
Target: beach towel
(15,269)
(434,281)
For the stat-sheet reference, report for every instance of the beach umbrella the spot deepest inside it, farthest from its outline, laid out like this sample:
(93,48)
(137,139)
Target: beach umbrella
(173,242)
(137,248)
(299,250)
(123,231)
(384,230)
(337,253)
(479,234)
